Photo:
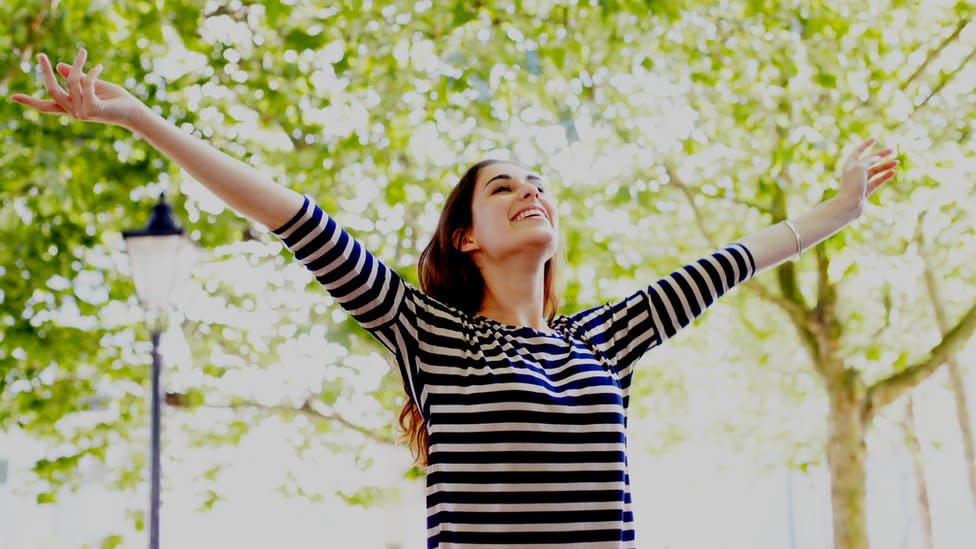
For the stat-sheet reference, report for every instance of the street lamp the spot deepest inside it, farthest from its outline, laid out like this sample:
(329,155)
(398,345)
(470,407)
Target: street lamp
(160,257)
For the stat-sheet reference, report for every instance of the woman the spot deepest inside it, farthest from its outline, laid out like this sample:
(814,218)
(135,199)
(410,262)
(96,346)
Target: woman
(518,413)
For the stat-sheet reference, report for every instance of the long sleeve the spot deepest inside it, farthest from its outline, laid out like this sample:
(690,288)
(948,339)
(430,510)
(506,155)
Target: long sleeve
(624,330)
(368,290)
(371,292)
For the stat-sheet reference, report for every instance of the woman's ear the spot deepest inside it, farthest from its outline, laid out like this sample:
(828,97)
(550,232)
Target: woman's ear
(462,242)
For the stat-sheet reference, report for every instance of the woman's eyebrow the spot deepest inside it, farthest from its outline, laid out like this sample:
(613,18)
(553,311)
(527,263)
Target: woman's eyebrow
(499,176)
(506,176)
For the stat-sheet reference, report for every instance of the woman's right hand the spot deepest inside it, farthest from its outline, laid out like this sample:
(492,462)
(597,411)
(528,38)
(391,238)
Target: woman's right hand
(87,98)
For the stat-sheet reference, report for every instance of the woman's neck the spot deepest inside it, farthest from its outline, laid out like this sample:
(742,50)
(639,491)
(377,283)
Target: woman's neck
(515,292)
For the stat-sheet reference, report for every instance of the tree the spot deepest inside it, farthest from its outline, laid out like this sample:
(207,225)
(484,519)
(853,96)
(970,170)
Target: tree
(785,99)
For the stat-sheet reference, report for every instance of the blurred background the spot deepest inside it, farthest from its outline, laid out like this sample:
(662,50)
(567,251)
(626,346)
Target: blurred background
(665,130)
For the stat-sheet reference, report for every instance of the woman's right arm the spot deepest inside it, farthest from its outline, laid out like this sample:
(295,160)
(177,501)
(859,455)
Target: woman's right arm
(239,185)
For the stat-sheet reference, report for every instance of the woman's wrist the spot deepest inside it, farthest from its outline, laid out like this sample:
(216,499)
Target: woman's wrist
(137,119)
(796,237)
(853,206)
(824,220)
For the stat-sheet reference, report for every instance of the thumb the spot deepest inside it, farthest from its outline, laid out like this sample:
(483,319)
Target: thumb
(63,69)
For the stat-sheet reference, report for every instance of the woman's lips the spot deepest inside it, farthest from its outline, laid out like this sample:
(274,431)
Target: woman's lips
(531,210)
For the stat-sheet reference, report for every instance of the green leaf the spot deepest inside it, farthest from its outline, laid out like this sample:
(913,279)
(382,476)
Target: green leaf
(111,541)
(300,40)
(826,80)
(46,498)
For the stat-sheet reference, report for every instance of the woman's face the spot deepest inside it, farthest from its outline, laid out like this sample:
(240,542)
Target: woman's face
(511,211)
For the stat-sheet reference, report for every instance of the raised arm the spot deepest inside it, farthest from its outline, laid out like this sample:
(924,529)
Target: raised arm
(859,178)
(371,292)
(623,330)
(239,185)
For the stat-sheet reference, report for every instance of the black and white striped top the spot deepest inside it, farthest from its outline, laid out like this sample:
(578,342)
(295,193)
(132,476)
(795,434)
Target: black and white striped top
(527,427)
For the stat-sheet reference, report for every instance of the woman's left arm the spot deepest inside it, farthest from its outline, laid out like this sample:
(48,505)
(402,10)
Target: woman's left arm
(860,177)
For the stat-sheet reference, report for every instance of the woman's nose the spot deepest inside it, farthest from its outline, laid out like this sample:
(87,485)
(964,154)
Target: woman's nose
(528,189)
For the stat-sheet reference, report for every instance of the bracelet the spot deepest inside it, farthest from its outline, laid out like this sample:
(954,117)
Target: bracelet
(796,234)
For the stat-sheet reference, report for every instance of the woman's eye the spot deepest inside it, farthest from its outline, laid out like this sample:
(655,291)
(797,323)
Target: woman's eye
(506,187)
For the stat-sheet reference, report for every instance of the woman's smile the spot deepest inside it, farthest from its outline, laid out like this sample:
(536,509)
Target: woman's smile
(532,212)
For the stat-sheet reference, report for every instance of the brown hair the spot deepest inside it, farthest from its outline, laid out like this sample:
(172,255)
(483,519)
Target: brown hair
(451,277)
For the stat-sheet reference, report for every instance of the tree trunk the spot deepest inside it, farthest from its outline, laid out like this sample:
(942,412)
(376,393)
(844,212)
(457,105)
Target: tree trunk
(962,414)
(845,456)
(911,437)
(955,377)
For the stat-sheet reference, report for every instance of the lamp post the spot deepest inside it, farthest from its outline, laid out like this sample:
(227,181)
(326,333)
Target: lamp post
(160,258)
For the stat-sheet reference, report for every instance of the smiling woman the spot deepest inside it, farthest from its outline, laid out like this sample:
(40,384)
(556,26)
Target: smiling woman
(518,412)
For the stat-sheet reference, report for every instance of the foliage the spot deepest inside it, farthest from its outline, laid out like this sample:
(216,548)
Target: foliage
(375,109)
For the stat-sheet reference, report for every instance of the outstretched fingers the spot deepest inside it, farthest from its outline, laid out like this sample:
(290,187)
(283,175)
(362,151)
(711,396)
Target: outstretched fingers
(63,69)
(857,151)
(879,174)
(862,176)
(875,170)
(870,160)
(79,96)
(74,84)
(872,186)
(54,89)
(42,105)
(88,85)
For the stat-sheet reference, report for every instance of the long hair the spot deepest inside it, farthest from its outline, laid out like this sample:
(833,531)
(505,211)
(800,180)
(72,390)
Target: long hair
(451,277)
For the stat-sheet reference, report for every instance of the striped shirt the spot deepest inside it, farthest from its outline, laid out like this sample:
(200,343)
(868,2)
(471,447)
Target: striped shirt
(526,427)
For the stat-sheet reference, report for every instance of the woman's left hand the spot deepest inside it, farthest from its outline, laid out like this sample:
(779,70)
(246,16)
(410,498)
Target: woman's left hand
(861,176)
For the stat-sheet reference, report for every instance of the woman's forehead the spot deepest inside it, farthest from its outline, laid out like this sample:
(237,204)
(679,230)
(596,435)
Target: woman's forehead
(492,170)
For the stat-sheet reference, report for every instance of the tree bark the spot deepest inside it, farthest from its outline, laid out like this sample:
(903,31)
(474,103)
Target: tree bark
(911,438)
(966,428)
(845,457)
(955,376)
(888,389)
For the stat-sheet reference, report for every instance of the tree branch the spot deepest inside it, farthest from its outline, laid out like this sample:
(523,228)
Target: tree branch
(942,84)
(935,53)
(918,71)
(28,48)
(826,292)
(952,364)
(797,312)
(885,391)
(742,201)
(786,272)
(826,331)
(699,219)
(179,400)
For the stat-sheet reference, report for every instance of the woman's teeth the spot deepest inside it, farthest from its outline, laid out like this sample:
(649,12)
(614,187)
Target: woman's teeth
(528,214)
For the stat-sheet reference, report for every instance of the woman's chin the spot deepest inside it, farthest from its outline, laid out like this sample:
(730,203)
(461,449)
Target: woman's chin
(543,240)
